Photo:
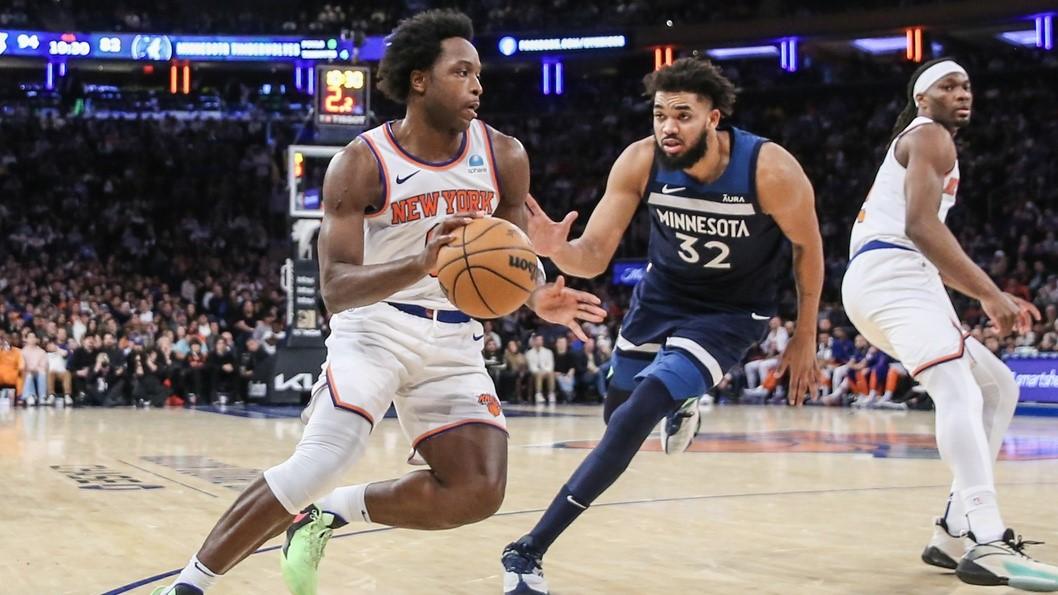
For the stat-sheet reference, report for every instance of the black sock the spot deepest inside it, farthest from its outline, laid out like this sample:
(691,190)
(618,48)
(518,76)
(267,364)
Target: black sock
(628,427)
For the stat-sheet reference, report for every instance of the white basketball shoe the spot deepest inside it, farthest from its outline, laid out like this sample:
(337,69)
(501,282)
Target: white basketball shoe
(1004,562)
(680,428)
(945,549)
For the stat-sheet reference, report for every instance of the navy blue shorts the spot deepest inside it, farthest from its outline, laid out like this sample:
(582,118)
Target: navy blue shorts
(689,353)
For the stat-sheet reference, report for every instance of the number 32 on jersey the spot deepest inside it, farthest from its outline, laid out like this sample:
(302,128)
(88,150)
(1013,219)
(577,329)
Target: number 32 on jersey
(689,252)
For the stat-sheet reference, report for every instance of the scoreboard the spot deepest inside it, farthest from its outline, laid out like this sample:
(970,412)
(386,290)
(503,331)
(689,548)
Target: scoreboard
(343,95)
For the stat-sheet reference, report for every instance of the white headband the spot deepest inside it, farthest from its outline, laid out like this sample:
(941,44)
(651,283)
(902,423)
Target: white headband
(935,73)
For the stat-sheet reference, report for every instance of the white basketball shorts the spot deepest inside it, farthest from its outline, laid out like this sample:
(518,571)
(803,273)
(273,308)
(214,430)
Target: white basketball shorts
(432,372)
(898,302)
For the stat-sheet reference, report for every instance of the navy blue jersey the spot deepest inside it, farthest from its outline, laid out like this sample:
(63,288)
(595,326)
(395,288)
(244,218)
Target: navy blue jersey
(711,246)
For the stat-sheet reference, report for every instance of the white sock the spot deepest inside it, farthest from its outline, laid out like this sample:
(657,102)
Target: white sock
(955,514)
(982,513)
(197,575)
(347,503)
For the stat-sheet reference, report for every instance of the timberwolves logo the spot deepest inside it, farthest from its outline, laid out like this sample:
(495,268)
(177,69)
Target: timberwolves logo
(476,165)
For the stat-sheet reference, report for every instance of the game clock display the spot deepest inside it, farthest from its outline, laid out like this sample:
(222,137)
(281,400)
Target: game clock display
(342,95)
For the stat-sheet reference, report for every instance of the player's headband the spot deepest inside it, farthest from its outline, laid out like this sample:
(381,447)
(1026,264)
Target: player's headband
(935,73)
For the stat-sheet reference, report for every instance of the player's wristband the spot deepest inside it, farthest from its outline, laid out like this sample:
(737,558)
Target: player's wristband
(541,275)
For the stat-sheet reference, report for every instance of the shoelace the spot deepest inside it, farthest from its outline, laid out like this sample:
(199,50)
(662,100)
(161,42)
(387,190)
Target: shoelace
(320,536)
(1018,545)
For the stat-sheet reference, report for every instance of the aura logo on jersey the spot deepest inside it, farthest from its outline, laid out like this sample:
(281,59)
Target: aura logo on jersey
(476,165)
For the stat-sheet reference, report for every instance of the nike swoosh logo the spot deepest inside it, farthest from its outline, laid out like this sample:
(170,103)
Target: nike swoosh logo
(666,190)
(575,503)
(756,316)
(478,337)
(401,180)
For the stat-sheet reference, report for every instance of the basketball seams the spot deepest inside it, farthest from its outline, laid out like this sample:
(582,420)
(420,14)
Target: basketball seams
(478,236)
(467,268)
(501,276)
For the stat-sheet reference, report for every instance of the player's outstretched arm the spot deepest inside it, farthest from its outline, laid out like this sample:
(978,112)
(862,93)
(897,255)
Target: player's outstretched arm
(929,152)
(350,186)
(786,194)
(589,255)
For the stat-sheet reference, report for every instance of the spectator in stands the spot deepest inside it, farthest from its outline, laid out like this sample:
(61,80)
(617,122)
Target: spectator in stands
(12,370)
(250,363)
(224,377)
(35,371)
(196,373)
(588,376)
(565,370)
(773,347)
(514,378)
(146,376)
(246,324)
(58,374)
(541,361)
(81,365)
(104,387)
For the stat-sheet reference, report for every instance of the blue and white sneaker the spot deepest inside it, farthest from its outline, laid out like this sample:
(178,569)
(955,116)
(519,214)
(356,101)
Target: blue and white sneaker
(523,572)
(679,430)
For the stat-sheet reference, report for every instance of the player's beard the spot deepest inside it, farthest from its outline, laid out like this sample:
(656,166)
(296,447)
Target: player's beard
(684,160)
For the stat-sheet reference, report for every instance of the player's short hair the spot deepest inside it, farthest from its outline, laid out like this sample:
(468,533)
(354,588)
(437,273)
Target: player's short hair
(694,75)
(415,45)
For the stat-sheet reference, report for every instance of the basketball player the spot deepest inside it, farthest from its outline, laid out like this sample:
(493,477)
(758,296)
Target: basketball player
(902,256)
(392,198)
(720,201)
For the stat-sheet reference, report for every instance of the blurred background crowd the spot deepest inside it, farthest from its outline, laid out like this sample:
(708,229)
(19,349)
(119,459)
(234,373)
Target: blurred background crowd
(140,252)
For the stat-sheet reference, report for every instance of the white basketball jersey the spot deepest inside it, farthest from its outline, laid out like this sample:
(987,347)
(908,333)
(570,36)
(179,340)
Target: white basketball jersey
(884,212)
(419,195)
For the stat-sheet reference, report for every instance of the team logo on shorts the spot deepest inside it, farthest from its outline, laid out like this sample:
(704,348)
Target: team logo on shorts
(476,165)
(492,403)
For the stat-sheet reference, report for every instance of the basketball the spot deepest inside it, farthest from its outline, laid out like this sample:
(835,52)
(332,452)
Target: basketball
(488,270)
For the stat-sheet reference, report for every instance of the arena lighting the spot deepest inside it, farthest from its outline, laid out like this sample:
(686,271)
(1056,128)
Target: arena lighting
(752,51)
(508,45)
(914,44)
(545,84)
(172,78)
(662,57)
(1022,38)
(566,44)
(881,45)
(789,58)
(1045,31)
(49,76)
(187,79)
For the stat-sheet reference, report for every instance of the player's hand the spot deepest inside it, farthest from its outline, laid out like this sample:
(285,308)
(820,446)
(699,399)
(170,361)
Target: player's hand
(559,304)
(800,360)
(1008,313)
(1027,313)
(440,235)
(546,234)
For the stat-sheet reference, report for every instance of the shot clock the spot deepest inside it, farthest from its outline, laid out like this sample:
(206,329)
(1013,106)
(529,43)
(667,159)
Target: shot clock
(342,95)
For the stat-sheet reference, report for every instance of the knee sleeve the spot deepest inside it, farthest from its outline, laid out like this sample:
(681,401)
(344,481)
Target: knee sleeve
(961,437)
(333,440)
(999,391)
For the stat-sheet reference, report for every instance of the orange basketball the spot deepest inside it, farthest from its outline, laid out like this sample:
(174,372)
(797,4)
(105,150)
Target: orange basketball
(488,270)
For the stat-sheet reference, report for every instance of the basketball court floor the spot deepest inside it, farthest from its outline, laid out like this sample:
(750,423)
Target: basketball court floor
(770,500)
